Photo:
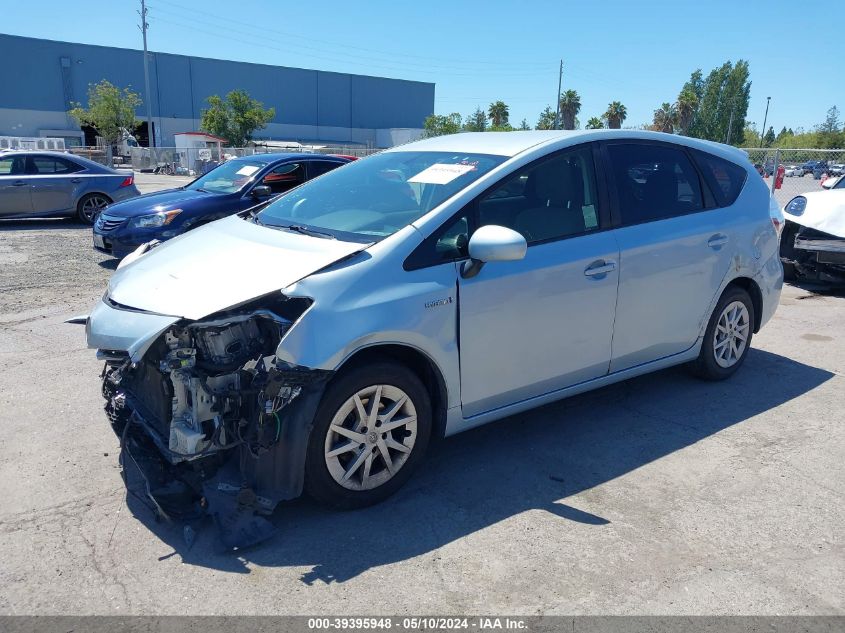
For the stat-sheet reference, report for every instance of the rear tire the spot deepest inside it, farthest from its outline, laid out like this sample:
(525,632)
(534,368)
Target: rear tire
(357,457)
(727,338)
(90,206)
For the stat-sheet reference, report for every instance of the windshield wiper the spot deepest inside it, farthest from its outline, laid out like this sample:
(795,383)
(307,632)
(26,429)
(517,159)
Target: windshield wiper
(304,230)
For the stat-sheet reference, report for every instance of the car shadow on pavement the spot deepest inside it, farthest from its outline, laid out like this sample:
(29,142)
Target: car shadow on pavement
(528,462)
(109,264)
(818,289)
(42,224)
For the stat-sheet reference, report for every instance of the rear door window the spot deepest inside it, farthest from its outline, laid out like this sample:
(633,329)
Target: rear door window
(320,167)
(653,182)
(50,165)
(284,177)
(724,178)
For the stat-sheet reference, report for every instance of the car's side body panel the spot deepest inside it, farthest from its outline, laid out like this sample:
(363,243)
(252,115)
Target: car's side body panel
(538,324)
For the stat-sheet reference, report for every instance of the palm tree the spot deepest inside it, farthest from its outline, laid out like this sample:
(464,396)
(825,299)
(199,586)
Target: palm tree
(570,105)
(498,113)
(685,108)
(594,123)
(615,115)
(665,118)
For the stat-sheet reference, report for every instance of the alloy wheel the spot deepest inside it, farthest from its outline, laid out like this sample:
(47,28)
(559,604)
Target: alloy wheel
(92,206)
(731,336)
(371,437)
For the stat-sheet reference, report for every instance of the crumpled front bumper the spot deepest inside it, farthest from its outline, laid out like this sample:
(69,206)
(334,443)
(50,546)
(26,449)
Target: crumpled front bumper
(113,329)
(237,486)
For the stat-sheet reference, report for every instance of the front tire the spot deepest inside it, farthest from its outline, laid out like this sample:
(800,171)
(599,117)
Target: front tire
(727,338)
(370,433)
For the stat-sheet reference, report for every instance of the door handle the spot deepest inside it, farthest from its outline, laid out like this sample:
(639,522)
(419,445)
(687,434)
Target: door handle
(19,183)
(600,267)
(76,180)
(717,240)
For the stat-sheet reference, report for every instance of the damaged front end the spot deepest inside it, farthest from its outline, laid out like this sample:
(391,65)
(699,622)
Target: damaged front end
(210,421)
(814,255)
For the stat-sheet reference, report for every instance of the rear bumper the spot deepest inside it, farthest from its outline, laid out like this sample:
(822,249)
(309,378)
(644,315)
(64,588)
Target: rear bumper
(125,193)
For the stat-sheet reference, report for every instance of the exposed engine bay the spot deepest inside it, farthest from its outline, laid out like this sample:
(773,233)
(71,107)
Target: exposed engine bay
(211,423)
(814,255)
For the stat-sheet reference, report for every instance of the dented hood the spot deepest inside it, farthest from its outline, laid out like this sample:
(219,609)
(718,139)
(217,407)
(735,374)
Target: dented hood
(220,265)
(825,212)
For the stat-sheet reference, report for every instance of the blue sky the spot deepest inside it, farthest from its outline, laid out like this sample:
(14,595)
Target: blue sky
(639,53)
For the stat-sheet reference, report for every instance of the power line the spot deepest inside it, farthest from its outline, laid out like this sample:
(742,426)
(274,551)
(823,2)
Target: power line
(219,32)
(390,54)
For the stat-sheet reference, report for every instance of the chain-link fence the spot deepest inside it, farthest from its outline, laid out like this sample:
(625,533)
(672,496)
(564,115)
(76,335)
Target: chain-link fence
(195,161)
(797,171)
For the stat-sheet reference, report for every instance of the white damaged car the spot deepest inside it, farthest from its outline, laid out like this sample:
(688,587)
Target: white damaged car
(813,242)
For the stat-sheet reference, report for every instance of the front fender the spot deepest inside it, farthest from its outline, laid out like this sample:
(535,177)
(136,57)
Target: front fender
(416,309)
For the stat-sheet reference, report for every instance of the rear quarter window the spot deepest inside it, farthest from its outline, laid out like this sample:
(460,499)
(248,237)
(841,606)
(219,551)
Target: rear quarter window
(724,178)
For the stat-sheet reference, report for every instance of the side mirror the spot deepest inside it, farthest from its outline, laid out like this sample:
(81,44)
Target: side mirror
(493,243)
(261,191)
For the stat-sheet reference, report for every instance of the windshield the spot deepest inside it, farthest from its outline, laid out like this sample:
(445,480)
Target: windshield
(228,177)
(376,196)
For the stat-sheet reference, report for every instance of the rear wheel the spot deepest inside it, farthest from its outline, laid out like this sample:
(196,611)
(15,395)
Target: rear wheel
(728,336)
(90,206)
(370,433)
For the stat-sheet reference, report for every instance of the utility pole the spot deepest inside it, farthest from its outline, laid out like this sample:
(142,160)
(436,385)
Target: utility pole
(557,98)
(147,97)
(765,117)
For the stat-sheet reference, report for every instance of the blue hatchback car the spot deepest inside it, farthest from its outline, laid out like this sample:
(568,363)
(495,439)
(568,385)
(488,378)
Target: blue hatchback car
(235,185)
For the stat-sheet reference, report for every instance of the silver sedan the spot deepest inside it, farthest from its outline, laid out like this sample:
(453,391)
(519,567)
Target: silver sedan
(34,184)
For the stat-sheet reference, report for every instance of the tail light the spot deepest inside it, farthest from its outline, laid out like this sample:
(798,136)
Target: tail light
(128,181)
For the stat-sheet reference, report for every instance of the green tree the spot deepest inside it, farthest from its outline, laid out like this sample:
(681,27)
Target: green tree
(615,115)
(524,125)
(723,102)
(506,127)
(570,106)
(440,124)
(594,123)
(498,113)
(831,122)
(665,118)
(769,138)
(546,120)
(236,117)
(476,122)
(751,135)
(110,110)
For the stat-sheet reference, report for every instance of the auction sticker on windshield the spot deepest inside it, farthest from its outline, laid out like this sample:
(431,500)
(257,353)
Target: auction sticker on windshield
(440,174)
(247,170)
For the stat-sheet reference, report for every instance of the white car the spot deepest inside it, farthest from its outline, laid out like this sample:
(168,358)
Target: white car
(834,182)
(813,242)
(794,170)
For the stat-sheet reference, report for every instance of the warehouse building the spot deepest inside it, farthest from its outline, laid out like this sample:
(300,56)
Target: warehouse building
(41,78)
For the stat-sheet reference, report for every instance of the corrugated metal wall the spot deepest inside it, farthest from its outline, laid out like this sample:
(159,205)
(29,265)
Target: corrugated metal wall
(310,104)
